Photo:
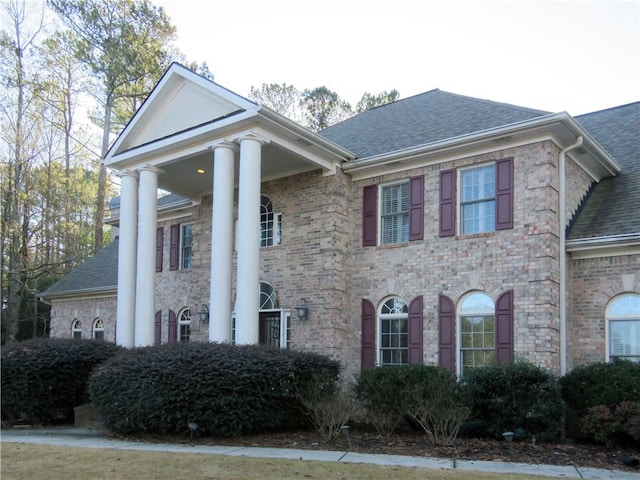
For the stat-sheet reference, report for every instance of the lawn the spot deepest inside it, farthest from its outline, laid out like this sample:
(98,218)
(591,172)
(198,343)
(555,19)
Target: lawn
(26,462)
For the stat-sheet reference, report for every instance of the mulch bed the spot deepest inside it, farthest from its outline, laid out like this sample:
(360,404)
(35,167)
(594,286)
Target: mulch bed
(415,444)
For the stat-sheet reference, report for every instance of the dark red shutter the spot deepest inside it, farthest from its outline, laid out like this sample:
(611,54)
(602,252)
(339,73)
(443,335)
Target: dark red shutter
(447,203)
(159,247)
(504,327)
(369,215)
(172,331)
(174,247)
(158,328)
(368,339)
(415,331)
(416,208)
(446,333)
(504,194)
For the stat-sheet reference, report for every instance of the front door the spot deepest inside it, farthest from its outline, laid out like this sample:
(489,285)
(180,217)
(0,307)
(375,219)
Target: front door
(270,329)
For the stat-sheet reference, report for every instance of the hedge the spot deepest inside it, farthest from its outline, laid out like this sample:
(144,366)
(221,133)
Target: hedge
(224,389)
(44,379)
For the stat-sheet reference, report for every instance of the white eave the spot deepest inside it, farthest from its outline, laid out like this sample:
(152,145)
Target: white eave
(560,128)
(607,246)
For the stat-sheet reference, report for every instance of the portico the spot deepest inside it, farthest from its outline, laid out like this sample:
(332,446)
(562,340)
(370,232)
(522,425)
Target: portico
(187,126)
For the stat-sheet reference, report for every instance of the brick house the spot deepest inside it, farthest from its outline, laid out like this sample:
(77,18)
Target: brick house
(439,229)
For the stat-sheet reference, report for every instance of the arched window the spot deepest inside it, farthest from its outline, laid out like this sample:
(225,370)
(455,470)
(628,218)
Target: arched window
(394,334)
(269,223)
(623,327)
(98,329)
(76,329)
(184,325)
(476,314)
(268,297)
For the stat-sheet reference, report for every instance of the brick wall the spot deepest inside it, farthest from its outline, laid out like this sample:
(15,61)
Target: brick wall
(64,312)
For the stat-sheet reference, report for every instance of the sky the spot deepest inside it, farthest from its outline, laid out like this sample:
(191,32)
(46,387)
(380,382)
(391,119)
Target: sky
(577,56)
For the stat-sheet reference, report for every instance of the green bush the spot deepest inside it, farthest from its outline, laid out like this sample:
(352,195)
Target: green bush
(44,379)
(601,383)
(619,424)
(225,389)
(426,395)
(519,397)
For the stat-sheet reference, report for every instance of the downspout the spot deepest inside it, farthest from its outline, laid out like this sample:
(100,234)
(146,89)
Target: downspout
(562,160)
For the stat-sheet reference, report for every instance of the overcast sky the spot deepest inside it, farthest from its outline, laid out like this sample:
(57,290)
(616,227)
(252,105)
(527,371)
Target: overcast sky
(574,56)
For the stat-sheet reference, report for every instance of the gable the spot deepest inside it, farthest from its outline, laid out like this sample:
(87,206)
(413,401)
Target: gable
(182,100)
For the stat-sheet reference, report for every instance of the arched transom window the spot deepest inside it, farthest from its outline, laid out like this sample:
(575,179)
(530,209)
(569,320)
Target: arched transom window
(268,297)
(623,319)
(98,329)
(184,325)
(76,329)
(394,333)
(477,331)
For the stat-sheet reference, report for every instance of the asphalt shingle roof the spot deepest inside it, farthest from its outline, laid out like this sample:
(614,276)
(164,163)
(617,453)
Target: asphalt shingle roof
(98,272)
(613,208)
(422,119)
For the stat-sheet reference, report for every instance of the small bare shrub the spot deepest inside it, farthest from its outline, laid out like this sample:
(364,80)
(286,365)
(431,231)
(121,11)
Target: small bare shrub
(328,404)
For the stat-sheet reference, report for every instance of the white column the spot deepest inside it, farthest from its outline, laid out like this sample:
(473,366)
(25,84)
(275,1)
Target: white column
(146,264)
(128,237)
(221,243)
(248,278)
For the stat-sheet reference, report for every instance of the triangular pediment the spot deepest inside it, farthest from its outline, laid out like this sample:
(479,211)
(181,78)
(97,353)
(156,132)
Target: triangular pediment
(182,100)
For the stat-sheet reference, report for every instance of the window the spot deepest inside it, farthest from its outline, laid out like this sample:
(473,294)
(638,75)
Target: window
(184,325)
(186,245)
(395,213)
(477,332)
(98,329)
(394,332)
(484,199)
(623,318)
(76,329)
(268,297)
(478,199)
(270,223)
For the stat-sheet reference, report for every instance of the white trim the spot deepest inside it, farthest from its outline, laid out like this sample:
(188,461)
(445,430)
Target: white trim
(607,318)
(606,246)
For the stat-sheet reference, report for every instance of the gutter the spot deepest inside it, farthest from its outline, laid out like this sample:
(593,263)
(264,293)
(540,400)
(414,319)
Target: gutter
(562,255)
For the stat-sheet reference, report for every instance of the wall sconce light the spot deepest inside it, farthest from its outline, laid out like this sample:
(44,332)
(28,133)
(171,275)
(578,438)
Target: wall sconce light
(302,309)
(204,314)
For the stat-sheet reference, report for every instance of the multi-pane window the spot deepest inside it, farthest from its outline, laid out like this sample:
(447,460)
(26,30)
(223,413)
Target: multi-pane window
(184,325)
(477,332)
(186,245)
(394,333)
(395,213)
(623,316)
(98,329)
(76,329)
(478,199)
(270,223)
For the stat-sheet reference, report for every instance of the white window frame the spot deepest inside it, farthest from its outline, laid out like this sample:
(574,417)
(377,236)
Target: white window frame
(392,317)
(382,215)
(76,327)
(631,316)
(98,329)
(184,321)
(182,257)
(276,219)
(473,311)
(481,201)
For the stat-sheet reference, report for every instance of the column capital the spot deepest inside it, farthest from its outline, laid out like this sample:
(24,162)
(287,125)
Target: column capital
(251,136)
(127,173)
(223,143)
(149,168)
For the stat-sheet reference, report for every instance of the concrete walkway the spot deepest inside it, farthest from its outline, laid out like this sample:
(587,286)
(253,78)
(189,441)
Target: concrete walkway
(83,437)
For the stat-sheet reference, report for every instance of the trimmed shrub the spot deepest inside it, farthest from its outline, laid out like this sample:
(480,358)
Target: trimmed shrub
(225,389)
(44,379)
(519,397)
(603,383)
(619,424)
(427,395)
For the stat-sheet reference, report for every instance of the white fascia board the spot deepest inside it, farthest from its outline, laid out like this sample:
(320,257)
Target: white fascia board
(609,246)
(181,144)
(517,134)
(85,294)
